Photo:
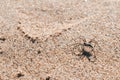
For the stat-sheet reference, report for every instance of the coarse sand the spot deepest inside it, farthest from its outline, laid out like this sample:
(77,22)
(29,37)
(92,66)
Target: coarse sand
(59,39)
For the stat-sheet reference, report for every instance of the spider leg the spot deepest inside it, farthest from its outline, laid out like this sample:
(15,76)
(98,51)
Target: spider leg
(81,56)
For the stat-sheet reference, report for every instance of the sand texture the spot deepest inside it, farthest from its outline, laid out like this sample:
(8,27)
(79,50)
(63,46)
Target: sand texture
(59,39)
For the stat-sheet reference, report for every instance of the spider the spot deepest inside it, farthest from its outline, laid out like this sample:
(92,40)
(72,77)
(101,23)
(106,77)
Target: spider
(86,49)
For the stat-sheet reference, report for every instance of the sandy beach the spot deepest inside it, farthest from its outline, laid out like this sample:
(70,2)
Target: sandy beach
(59,39)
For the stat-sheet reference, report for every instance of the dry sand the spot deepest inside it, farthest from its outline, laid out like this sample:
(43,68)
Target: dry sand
(43,39)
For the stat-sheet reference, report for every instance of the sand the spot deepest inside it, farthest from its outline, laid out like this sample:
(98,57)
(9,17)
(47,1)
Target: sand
(59,40)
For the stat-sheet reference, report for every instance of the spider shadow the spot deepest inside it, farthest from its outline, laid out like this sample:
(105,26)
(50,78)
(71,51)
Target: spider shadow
(86,54)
